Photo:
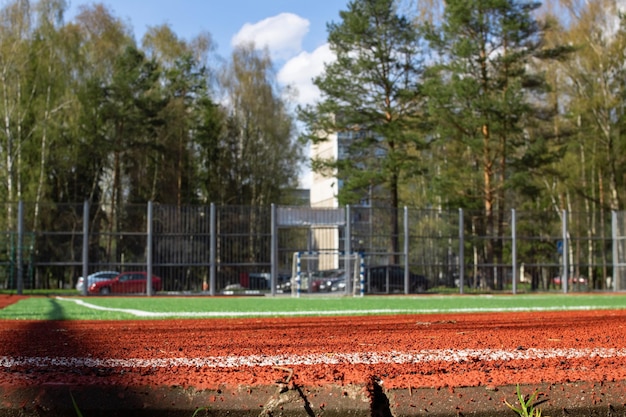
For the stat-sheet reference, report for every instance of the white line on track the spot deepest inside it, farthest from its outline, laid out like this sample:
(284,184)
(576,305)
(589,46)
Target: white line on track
(366,358)
(201,314)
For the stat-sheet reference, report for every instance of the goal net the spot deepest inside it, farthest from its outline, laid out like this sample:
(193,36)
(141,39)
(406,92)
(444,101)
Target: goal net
(327,272)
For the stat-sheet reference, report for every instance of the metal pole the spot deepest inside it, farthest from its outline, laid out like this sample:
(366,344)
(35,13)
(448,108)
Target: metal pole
(361,275)
(461,253)
(565,259)
(213,250)
(274,252)
(20,244)
(299,276)
(406,250)
(348,250)
(617,264)
(514,250)
(85,247)
(149,251)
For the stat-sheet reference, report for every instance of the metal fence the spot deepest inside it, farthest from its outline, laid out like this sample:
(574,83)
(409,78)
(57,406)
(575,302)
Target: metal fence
(212,249)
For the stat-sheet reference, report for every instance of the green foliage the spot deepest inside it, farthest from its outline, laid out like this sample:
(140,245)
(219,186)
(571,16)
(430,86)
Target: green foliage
(494,132)
(259,158)
(89,115)
(485,99)
(499,119)
(371,99)
(199,410)
(528,404)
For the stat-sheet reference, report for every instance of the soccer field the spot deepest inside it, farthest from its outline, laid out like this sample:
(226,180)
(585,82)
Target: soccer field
(164,307)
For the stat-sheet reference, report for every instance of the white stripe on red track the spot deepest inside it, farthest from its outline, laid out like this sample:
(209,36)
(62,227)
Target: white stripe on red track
(367,358)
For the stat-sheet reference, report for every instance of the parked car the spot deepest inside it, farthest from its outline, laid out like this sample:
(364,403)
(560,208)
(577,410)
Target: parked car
(572,281)
(284,286)
(377,277)
(95,277)
(390,279)
(338,284)
(255,280)
(322,281)
(125,283)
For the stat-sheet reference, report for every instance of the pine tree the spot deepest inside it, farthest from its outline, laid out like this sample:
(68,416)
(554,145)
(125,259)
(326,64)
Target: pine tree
(370,99)
(484,98)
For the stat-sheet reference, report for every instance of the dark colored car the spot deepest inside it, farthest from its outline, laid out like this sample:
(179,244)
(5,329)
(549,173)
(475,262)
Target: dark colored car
(322,281)
(126,283)
(390,279)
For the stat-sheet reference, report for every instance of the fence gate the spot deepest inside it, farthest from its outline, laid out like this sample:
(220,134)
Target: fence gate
(304,229)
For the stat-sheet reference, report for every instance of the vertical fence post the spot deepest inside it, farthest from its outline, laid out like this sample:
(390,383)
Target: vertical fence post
(149,251)
(20,244)
(565,257)
(348,250)
(406,250)
(361,275)
(514,250)
(274,252)
(617,262)
(213,250)
(461,253)
(85,247)
(299,275)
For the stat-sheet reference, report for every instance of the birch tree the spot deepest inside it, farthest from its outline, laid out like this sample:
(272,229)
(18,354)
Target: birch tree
(185,81)
(15,30)
(263,158)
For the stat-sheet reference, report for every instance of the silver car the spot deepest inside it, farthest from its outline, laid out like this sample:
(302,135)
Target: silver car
(95,277)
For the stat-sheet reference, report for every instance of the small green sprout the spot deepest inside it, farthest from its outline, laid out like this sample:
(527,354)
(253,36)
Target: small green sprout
(527,404)
(199,410)
(78,413)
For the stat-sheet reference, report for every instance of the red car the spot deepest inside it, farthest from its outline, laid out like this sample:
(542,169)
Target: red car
(125,283)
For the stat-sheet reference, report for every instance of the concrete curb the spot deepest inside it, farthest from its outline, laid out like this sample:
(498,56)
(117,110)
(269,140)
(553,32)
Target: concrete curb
(581,399)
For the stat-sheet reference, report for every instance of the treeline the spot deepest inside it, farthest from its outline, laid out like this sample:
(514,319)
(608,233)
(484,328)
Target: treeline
(481,104)
(89,113)
(486,105)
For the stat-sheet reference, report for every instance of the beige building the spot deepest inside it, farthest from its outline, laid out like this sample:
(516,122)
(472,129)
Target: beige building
(324,189)
(324,186)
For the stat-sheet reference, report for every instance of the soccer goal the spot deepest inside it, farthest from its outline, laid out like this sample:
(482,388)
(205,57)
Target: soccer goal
(328,272)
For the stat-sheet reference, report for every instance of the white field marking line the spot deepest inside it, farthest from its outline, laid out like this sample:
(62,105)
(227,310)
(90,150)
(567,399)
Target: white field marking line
(363,358)
(200,314)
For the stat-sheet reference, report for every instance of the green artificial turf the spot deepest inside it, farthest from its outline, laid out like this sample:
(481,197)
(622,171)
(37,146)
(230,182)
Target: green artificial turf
(164,307)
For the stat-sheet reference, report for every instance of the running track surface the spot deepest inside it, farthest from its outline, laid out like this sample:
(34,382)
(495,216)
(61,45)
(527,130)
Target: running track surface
(406,351)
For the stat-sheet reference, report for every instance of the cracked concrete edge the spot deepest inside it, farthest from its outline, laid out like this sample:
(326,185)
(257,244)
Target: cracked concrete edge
(586,399)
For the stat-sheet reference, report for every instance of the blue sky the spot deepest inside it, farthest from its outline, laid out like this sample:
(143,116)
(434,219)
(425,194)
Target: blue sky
(293,30)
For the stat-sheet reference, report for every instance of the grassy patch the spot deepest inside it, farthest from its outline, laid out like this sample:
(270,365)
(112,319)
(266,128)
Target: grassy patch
(163,307)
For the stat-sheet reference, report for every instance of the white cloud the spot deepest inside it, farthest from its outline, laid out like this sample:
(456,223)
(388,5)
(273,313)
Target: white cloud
(300,70)
(281,34)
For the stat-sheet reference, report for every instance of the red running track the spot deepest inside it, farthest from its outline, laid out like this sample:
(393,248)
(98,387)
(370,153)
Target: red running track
(406,351)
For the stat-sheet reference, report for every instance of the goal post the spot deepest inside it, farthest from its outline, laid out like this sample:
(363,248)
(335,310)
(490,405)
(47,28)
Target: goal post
(328,272)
